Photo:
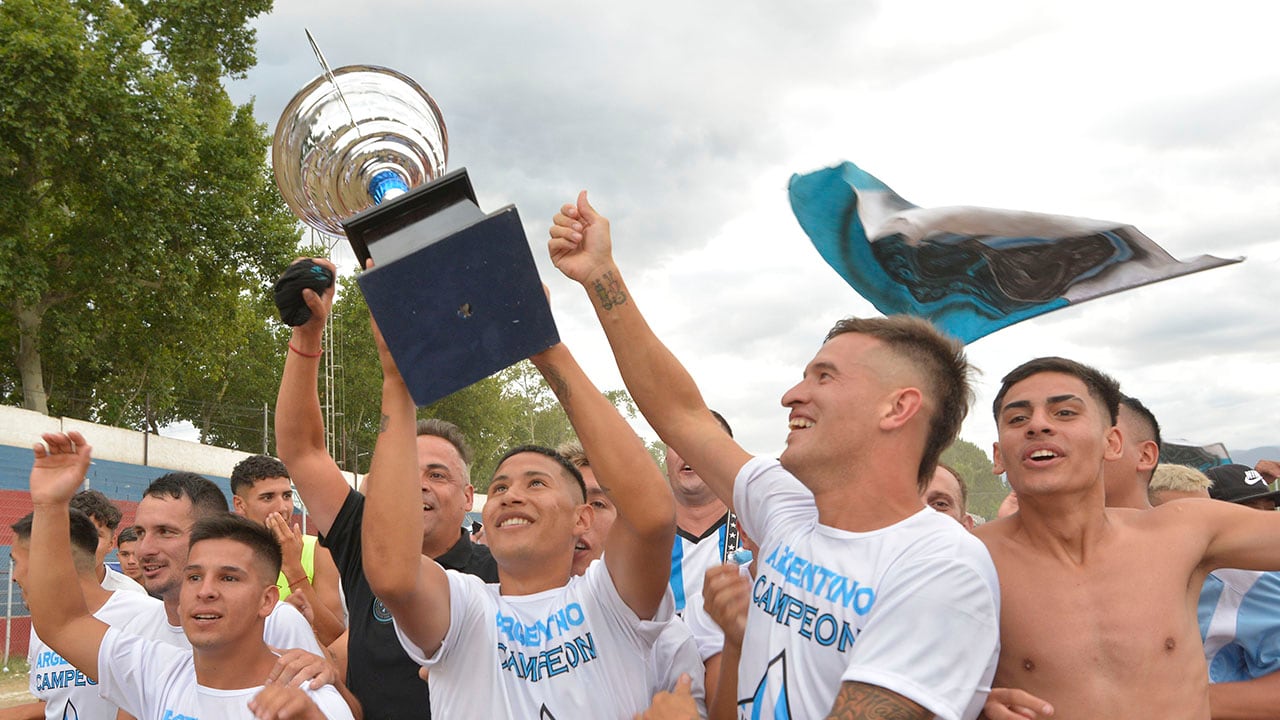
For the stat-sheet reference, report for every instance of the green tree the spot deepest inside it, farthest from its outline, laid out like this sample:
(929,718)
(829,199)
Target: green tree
(138,223)
(986,489)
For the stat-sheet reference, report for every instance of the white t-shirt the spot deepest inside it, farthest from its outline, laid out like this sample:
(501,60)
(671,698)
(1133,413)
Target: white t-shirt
(154,681)
(675,653)
(115,580)
(67,692)
(707,635)
(285,629)
(913,608)
(570,652)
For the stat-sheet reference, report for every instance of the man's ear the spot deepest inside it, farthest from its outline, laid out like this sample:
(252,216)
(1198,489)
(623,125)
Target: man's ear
(469,497)
(902,405)
(1114,447)
(270,596)
(997,462)
(1148,455)
(582,522)
(237,505)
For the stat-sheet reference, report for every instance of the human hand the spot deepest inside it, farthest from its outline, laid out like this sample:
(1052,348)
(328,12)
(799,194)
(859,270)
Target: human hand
(290,539)
(580,242)
(284,702)
(1008,506)
(1011,704)
(296,667)
(726,595)
(319,305)
(1268,469)
(675,705)
(61,462)
(299,601)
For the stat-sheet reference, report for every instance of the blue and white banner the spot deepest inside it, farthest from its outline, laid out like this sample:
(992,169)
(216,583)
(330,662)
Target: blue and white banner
(970,270)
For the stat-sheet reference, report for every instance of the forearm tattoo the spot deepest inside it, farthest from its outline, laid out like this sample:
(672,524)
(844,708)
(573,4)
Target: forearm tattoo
(609,290)
(858,701)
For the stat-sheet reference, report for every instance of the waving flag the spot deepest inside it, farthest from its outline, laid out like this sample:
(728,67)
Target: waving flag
(970,270)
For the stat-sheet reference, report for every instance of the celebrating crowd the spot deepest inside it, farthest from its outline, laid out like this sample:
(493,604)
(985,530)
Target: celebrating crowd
(843,579)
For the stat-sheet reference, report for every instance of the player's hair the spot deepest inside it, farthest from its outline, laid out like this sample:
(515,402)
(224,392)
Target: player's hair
(572,451)
(266,550)
(254,468)
(1178,478)
(450,432)
(1100,385)
(941,363)
(572,472)
(1147,419)
(129,534)
(84,538)
(206,498)
(98,507)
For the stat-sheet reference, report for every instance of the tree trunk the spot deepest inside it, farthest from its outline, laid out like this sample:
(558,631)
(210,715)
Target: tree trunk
(29,366)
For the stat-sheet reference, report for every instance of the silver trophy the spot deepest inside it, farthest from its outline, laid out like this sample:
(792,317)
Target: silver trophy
(361,152)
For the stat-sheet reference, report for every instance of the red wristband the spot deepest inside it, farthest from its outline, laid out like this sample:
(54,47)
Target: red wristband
(306,355)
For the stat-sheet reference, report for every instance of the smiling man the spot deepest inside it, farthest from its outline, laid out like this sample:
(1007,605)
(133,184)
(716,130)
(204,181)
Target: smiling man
(227,589)
(866,603)
(1125,582)
(169,508)
(541,642)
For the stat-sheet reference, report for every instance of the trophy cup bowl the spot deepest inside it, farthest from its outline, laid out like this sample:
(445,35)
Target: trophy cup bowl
(349,136)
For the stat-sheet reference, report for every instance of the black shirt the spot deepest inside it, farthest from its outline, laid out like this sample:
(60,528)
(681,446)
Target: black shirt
(379,673)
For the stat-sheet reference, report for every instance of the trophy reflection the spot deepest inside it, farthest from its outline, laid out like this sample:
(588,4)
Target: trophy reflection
(361,152)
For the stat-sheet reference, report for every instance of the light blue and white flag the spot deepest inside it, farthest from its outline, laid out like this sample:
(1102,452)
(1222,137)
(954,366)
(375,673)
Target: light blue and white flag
(970,270)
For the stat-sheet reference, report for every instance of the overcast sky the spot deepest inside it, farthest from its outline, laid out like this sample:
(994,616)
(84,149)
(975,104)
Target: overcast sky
(685,121)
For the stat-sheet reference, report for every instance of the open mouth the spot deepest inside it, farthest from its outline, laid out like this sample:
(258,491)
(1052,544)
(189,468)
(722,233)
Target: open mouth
(799,423)
(514,522)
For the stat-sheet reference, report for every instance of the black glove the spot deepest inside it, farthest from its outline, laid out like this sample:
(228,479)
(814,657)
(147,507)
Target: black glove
(302,274)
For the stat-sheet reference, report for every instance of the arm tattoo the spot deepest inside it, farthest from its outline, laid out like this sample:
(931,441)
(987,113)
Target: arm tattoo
(859,701)
(609,290)
(382,425)
(558,385)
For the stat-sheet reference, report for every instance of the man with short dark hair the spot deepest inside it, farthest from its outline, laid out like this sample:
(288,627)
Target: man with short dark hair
(62,690)
(106,518)
(874,410)
(1125,582)
(127,552)
(1127,477)
(169,508)
(540,642)
(227,590)
(262,491)
(379,672)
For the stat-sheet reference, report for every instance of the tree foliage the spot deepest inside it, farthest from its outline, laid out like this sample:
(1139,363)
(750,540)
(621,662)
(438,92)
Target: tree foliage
(139,227)
(986,489)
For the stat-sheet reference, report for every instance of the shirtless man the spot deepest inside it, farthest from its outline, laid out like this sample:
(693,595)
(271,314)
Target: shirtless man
(1099,604)
(861,609)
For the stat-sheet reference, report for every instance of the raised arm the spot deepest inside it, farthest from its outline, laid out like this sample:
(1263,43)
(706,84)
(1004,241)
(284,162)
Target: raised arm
(646,523)
(60,618)
(663,390)
(414,588)
(299,423)
(1238,536)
